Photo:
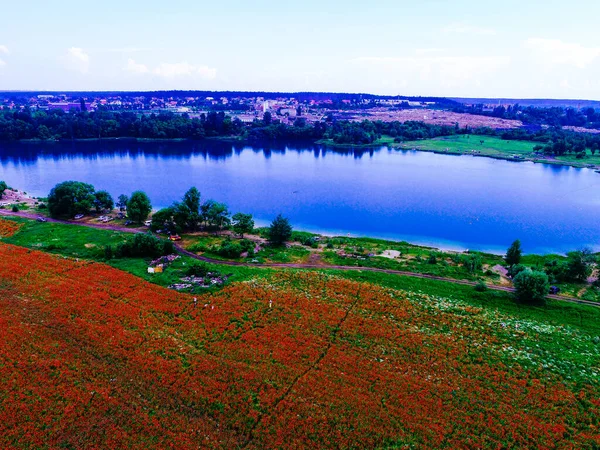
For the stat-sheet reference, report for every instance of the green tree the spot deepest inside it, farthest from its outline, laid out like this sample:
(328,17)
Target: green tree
(103,200)
(70,198)
(513,254)
(43,132)
(280,230)
(267,118)
(188,211)
(192,200)
(579,264)
(218,215)
(531,286)
(138,206)
(242,223)
(122,202)
(3,187)
(163,220)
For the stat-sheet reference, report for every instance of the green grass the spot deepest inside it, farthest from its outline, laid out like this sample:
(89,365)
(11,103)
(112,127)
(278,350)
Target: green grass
(585,318)
(88,243)
(461,144)
(494,147)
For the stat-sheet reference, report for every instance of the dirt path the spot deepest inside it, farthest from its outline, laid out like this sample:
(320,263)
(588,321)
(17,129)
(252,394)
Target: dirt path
(312,265)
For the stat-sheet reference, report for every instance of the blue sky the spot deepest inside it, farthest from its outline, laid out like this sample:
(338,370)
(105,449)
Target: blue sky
(509,48)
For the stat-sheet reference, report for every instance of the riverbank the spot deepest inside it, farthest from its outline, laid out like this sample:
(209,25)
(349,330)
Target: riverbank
(476,145)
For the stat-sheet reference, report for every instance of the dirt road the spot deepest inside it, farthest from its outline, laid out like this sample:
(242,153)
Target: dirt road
(291,265)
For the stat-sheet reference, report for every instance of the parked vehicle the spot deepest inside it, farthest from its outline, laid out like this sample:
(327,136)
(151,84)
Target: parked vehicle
(175,237)
(554,290)
(148,223)
(78,216)
(128,222)
(41,219)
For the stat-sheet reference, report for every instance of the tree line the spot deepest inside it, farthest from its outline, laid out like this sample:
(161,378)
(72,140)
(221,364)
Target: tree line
(71,198)
(58,125)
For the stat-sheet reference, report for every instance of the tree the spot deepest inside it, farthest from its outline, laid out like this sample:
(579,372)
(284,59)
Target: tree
(513,254)
(138,206)
(70,198)
(579,264)
(103,200)
(163,220)
(191,201)
(242,223)
(122,202)
(280,230)
(3,187)
(267,118)
(217,215)
(531,286)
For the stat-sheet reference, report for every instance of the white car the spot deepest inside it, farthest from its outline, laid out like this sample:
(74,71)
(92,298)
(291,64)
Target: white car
(148,223)
(78,216)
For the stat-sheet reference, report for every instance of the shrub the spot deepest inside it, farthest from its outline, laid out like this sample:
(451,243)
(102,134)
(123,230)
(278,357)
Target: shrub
(108,252)
(230,249)
(144,245)
(515,270)
(471,262)
(531,286)
(198,270)
(15,208)
(432,259)
(481,286)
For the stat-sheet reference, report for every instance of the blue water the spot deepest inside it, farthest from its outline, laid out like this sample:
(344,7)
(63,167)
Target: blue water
(448,201)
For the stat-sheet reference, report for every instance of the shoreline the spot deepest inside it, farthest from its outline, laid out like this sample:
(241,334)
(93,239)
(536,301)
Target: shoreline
(323,142)
(20,196)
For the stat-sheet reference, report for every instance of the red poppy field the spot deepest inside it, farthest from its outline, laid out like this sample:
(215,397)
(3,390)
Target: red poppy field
(92,357)
(8,228)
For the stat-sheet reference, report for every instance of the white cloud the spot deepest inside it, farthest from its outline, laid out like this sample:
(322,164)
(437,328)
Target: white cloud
(463,28)
(76,59)
(173,70)
(555,51)
(134,67)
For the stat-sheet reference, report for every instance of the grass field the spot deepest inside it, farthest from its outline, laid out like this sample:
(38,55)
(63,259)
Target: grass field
(495,148)
(89,243)
(464,144)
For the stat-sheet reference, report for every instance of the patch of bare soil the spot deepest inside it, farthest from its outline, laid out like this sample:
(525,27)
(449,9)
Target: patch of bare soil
(503,272)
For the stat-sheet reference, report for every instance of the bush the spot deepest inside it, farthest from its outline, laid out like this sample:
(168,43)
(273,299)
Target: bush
(471,262)
(144,245)
(198,270)
(432,259)
(481,286)
(15,208)
(108,252)
(230,249)
(531,286)
(516,269)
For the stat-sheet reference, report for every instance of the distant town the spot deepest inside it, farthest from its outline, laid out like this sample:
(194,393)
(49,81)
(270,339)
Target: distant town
(310,108)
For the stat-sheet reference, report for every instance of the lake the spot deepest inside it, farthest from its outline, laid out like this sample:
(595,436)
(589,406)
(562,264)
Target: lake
(452,202)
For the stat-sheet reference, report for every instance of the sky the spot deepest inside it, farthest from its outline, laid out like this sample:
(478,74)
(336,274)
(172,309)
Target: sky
(459,48)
